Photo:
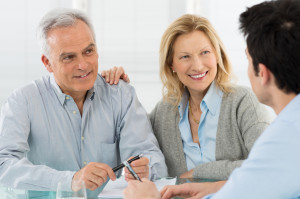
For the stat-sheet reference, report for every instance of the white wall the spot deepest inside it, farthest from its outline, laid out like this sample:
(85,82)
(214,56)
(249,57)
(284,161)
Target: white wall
(19,51)
(128,33)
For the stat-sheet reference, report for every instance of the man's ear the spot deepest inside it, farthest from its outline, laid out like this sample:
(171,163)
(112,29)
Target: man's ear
(47,64)
(264,74)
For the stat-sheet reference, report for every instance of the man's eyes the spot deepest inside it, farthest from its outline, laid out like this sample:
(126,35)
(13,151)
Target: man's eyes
(69,57)
(89,51)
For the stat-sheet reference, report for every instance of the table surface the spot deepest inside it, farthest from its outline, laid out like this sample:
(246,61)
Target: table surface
(10,193)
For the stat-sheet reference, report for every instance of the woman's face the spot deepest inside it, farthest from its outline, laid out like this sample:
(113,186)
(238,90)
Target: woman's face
(195,61)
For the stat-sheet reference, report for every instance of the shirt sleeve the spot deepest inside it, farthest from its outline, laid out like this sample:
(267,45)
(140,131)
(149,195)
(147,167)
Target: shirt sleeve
(15,169)
(272,169)
(136,135)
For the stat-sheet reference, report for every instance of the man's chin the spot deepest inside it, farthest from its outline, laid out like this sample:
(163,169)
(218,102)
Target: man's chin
(82,89)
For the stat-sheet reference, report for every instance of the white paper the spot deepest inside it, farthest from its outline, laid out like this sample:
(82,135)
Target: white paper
(114,189)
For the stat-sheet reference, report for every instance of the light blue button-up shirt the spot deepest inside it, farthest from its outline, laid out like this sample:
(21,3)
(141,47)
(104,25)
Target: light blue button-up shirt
(44,139)
(272,169)
(210,107)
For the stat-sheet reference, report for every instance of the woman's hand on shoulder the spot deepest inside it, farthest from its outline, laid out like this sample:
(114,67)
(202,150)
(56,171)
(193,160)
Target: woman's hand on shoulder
(113,75)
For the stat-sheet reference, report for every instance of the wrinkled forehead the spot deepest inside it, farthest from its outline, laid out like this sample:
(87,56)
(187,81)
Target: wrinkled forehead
(75,37)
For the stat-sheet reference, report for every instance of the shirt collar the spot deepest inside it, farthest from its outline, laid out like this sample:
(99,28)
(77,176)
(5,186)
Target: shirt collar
(211,100)
(289,108)
(61,96)
(183,103)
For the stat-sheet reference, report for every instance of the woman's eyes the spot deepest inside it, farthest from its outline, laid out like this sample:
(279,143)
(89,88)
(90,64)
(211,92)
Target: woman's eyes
(205,52)
(184,57)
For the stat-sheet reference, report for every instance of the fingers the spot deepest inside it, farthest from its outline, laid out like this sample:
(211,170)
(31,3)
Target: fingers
(119,73)
(140,162)
(90,185)
(164,189)
(166,192)
(141,168)
(125,77)
(113,75)
(170,191)
(98,177)
(142,172)
(105,74)
(108,170)
(130,191)
(137,190)
(94,175)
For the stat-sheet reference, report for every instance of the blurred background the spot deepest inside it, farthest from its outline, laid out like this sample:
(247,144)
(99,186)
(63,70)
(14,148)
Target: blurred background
(128,34)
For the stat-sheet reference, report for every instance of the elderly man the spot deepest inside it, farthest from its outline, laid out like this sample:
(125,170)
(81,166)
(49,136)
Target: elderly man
(71,126)
(271,171)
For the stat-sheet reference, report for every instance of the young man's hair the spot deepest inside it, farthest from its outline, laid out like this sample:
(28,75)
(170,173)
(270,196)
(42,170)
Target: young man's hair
(272,31)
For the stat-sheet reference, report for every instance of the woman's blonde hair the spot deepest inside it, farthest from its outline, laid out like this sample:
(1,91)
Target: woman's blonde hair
(172,87)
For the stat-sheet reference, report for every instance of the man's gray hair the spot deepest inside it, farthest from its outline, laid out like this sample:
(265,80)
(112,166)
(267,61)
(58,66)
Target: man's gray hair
(57,18)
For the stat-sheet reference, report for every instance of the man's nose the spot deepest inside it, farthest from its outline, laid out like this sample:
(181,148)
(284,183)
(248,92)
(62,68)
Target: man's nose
(82,63)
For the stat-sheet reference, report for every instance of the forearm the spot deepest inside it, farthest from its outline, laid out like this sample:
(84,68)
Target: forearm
(22,174)
(158,169)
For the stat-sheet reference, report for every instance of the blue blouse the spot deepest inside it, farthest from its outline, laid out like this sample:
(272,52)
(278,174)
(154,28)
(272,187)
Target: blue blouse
(210,107)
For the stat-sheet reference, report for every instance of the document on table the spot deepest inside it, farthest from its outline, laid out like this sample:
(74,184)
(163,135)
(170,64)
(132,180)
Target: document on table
(114,189)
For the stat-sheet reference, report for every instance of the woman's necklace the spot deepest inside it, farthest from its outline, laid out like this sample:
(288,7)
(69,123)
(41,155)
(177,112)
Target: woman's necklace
(195,120)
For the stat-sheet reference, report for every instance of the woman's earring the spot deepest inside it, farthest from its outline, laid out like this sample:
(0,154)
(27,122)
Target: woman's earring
(174,71)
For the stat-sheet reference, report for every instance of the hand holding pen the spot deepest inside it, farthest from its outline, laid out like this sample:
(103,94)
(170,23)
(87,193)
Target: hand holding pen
(139,165)
(141,168)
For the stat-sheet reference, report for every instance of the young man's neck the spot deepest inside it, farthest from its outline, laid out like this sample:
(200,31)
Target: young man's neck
(280,100)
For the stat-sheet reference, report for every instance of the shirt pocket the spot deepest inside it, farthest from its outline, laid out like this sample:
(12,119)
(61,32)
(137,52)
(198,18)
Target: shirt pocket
(109,154)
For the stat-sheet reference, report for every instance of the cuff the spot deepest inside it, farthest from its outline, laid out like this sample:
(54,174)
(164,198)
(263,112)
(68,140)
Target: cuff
(65,177)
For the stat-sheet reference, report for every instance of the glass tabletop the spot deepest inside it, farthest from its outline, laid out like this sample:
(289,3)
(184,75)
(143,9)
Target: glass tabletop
(191,180)
(10,193)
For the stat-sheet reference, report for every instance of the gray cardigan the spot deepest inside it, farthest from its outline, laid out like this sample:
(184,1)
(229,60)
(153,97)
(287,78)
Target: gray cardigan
(242,119)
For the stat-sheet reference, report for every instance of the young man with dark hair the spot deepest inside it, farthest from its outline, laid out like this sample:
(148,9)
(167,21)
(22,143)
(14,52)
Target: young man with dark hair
(272,31)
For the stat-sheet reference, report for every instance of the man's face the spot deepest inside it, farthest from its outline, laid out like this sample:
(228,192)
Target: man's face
(73,58)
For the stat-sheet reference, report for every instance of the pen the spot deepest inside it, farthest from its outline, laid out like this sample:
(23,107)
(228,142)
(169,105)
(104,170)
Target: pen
(133,173)
(129,161)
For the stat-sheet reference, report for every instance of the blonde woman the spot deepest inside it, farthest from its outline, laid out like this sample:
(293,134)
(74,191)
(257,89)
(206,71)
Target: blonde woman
(205,124)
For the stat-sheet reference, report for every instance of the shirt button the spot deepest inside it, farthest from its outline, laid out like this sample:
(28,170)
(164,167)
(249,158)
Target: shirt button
(74,112)
(84,162)
(82,138)
(67,97)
